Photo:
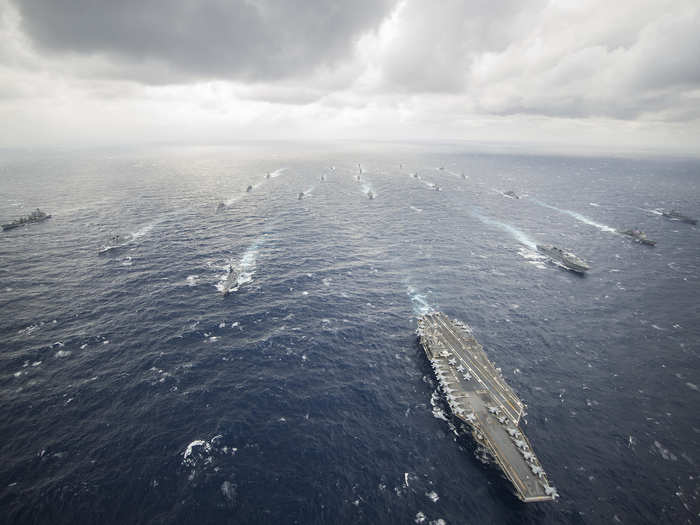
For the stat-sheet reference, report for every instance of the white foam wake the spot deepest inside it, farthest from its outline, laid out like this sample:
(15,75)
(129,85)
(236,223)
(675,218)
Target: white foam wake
(419,301)
(577,216)
(521,237)
(143,231)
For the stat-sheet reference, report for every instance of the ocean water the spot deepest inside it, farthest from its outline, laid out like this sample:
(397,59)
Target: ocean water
(133,391)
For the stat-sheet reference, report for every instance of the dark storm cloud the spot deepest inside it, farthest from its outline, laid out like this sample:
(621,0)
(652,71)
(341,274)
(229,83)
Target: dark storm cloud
(230,39)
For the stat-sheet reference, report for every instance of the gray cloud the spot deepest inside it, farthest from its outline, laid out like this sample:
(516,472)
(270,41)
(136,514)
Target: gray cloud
(249,40)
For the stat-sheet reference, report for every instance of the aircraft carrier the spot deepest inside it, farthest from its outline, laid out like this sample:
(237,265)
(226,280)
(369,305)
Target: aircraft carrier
(479,396)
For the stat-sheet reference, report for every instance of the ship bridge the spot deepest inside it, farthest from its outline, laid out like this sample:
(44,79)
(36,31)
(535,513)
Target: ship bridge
(479,396)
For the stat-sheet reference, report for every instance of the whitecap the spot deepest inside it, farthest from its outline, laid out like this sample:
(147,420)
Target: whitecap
(63,353)
(665,453)
(433,496)
(228,491)
(192,280)
(30,329)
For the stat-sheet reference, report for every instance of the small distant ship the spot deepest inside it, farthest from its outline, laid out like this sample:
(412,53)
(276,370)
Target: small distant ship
(230,282)
(639,236)
(115,242)
(370,195)
(566,259)
(249,188)
(220,206)
(36,216)
(678,216)
(358,178)
(511,194)
(323,177)
(464,176)
(301,195)
(436,187)
(415,176)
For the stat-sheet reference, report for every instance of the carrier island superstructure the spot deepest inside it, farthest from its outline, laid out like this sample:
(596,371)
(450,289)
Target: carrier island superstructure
(479,396)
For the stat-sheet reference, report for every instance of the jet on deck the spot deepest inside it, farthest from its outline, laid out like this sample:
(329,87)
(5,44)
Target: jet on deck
(479,396)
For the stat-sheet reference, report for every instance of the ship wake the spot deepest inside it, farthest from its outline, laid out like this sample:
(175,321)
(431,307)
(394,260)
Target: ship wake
(577,216)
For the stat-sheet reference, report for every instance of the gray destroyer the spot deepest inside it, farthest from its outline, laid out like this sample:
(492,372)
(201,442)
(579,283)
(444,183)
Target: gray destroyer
(639,236)
(565,259)
(678,216)
(230,283)
(478,396)
(36,216)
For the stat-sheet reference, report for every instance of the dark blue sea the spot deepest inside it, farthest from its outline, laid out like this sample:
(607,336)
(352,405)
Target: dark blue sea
(133,391)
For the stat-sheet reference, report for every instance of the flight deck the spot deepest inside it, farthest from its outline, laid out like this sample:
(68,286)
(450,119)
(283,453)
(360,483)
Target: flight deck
(479,396)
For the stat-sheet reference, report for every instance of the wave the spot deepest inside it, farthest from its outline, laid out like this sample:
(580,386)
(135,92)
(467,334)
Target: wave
(577,216)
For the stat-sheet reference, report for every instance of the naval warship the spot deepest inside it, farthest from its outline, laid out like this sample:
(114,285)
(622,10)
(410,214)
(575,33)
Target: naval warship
(639,236)
(479,397)
(566,259)
(36,216)
(230,282)
(678,216)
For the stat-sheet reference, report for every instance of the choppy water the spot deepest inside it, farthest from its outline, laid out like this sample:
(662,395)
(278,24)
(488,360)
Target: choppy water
(132,391)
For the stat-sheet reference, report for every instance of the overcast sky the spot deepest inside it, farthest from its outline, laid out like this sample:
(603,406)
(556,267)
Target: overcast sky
(613,75)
